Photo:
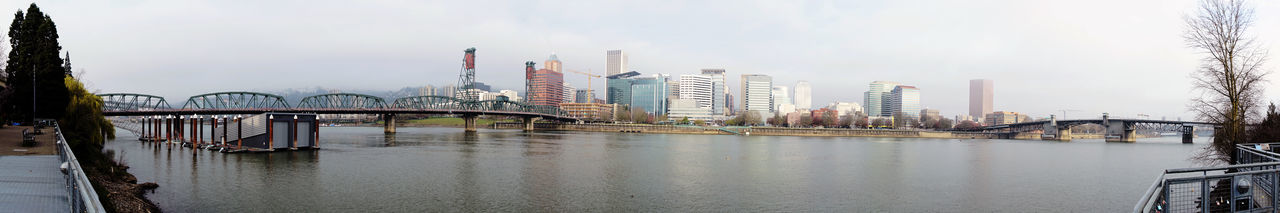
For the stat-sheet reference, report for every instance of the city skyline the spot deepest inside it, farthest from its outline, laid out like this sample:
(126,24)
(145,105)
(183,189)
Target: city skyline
(303,38)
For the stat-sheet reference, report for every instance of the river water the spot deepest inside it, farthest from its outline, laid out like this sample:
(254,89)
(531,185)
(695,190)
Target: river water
(360,169)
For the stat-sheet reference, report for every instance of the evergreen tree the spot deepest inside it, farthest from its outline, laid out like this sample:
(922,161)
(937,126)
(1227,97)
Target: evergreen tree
(1269,129)
(66,65)
(33,59)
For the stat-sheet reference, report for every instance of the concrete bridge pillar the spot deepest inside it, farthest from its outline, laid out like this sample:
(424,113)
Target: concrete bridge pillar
(1064,133)
(470,121)
(1188,132)
(528,123)
(1120,131)
(389,123)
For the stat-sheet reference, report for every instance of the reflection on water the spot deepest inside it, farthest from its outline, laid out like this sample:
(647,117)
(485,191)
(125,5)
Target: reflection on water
(446,169)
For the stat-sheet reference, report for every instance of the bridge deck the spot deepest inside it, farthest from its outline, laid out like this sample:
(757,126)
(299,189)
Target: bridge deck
(144,112)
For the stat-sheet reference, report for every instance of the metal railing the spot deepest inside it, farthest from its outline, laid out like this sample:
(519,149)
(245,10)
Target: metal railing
(1248,186)
(82,196)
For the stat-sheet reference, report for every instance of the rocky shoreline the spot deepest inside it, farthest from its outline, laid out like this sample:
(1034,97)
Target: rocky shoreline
(118,190)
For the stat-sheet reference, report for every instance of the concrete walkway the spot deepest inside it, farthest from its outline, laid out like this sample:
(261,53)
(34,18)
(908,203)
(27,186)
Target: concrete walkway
(30,180)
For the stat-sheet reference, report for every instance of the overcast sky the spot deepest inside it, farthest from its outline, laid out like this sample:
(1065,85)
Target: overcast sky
(1094,56)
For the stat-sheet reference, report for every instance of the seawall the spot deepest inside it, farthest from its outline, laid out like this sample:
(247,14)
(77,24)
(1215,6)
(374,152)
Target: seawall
(759,131)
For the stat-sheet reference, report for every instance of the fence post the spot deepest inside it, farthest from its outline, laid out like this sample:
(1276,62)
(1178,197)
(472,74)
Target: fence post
(1165,194)
(1204,197)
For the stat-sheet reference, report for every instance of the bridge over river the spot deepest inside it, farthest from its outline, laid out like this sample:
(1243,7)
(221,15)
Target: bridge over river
(465,103)
(1117,130)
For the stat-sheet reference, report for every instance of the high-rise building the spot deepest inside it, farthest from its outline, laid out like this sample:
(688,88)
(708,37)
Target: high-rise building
(618,88)
(427,91)
(673,91)
(904,102)
(447,90)
(781,95)
(615,62)
(874,99)
(546,87)
(757,94)
(696,88)
(980,94)
(569,93)
(729,103)
(583,96)
(650,94)
(553,63)
(719,91)
(804,95)
(782,100)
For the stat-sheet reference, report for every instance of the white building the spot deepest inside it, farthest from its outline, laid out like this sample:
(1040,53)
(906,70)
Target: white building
(512,95)
(782,96)
(783,109)
(686,108)
(568,93)
(427,90)
(615,62)
(696,88)
(845,108)
(757,94)
(804,95)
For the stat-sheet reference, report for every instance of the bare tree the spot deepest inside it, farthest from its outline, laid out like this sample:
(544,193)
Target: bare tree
(1230,79)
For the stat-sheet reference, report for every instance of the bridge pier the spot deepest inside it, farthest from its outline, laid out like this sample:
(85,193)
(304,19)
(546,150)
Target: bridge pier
(528,123)
(1188,133)
(1064,133)
(389,123)
(1119,131)
(470,121)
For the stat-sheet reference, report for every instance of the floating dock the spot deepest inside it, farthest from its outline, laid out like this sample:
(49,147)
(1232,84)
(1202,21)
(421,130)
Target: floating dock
(267,132)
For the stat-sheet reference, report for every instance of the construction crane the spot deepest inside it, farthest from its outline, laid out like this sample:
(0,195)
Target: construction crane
(1064,112)
(590,93)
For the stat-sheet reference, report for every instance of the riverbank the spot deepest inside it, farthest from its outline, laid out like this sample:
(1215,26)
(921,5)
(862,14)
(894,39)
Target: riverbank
(737,130)
(760,131)
(117,188)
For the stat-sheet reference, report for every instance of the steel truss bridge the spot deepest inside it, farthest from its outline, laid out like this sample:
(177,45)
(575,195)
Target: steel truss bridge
(1117,130)
(465,104)
(232,103)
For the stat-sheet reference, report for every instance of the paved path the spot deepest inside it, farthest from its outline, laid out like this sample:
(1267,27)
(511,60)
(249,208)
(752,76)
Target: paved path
(30,180)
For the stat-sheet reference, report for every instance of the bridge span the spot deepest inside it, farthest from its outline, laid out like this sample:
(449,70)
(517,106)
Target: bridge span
(240,103)
(1117,130)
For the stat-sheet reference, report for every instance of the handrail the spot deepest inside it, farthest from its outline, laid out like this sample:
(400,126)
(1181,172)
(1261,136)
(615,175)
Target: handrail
(1203,169)
(1159,189)
(83,198)
(1248,147)
(1145,201)
(1182,179)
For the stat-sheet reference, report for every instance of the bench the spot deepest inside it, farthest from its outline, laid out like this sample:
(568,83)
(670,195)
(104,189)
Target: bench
(28,138)
(38,126)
